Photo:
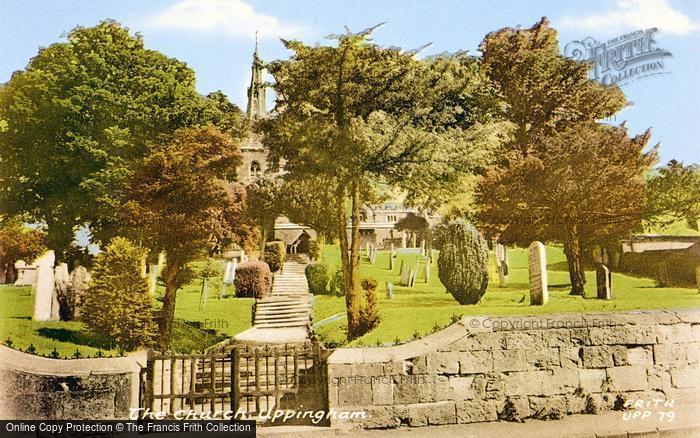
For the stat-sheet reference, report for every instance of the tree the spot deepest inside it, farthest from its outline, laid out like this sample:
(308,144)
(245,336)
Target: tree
(543,91)
(673,194)
(80,118)
(355,115)
(586,184)
(416,225)
(117,303)
(264,206)
(546,94)
(179,202)
(18,242)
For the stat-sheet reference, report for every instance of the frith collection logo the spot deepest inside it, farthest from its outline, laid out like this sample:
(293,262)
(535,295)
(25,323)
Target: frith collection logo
(621,60)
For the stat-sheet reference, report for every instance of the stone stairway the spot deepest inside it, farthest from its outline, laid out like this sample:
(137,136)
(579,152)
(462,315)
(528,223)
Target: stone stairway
(289,304)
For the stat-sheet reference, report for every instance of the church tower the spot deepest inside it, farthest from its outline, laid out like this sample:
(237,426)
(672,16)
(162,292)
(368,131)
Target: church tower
(254,154)
(257,96)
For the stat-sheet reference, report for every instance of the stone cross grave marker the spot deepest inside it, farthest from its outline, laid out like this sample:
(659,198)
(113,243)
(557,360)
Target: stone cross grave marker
(602,278)
(537,266)
(43,288)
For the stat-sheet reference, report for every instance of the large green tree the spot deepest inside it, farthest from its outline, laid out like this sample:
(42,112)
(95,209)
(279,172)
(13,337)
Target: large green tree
(673,194)
(180,202)
(355,115)
(78,120)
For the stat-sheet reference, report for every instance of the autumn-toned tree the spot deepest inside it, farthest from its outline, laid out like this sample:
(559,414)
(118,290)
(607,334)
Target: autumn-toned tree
(586,184)
(180,202)
(18,242)
(416,225)
(546,94)
(543,91)
(356,114)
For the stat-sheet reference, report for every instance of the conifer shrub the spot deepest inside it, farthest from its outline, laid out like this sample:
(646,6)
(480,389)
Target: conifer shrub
(275,254)
(253,279)
(317,276)
(117,303)
(463,262)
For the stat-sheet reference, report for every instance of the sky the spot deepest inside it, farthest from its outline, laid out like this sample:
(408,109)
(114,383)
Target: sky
(216,39)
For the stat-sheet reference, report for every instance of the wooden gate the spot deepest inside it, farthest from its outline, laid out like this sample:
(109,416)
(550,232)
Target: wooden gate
(246,379)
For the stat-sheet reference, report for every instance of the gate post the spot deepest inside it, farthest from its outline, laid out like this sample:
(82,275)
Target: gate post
(235,390)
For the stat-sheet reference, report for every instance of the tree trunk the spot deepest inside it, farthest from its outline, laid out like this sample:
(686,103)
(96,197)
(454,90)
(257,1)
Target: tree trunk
(165,327)
(263,239)
(353,300)
(572,250)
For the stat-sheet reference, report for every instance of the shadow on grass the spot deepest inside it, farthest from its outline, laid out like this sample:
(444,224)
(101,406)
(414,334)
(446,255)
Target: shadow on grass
(79,337)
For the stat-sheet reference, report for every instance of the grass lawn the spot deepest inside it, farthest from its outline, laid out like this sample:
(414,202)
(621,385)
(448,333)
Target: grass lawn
(419,310)
(193,330)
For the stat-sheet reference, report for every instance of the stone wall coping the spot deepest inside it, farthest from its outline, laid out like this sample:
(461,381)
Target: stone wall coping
(467,326)
(14,360)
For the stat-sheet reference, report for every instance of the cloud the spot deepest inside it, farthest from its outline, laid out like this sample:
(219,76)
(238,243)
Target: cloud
(234,18)
(629,15)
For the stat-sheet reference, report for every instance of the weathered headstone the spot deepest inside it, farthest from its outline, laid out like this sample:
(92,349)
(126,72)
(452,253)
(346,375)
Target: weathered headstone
(602,277)
(63,292)
(426,277)
(43,288)
(422,247)
(537,267)
(80,280)
(152,279)
(227,272)
(411,278)
(390,290)
(500,257)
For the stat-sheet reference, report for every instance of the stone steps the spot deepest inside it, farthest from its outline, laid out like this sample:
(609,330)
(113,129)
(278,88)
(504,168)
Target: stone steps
(289,304)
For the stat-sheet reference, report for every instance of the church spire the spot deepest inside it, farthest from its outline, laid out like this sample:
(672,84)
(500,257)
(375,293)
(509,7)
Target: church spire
(257,96)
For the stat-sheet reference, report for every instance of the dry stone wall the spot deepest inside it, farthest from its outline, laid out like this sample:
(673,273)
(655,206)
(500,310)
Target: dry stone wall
(490,369)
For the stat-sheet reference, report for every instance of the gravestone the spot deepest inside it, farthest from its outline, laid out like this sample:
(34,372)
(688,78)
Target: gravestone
(390,290)
(44,297)
(63,292)
(412,278)
(422,247)
(152,279)
(80,280)
(602,277)
(537,268)
(426,277)
(227,272)
(501,257)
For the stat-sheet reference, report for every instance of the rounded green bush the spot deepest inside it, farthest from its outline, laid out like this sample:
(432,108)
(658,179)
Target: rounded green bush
(275,254)
(463,262)
(317,276)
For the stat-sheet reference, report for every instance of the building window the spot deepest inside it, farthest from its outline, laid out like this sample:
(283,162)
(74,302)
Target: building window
(255,169)
(391,218)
